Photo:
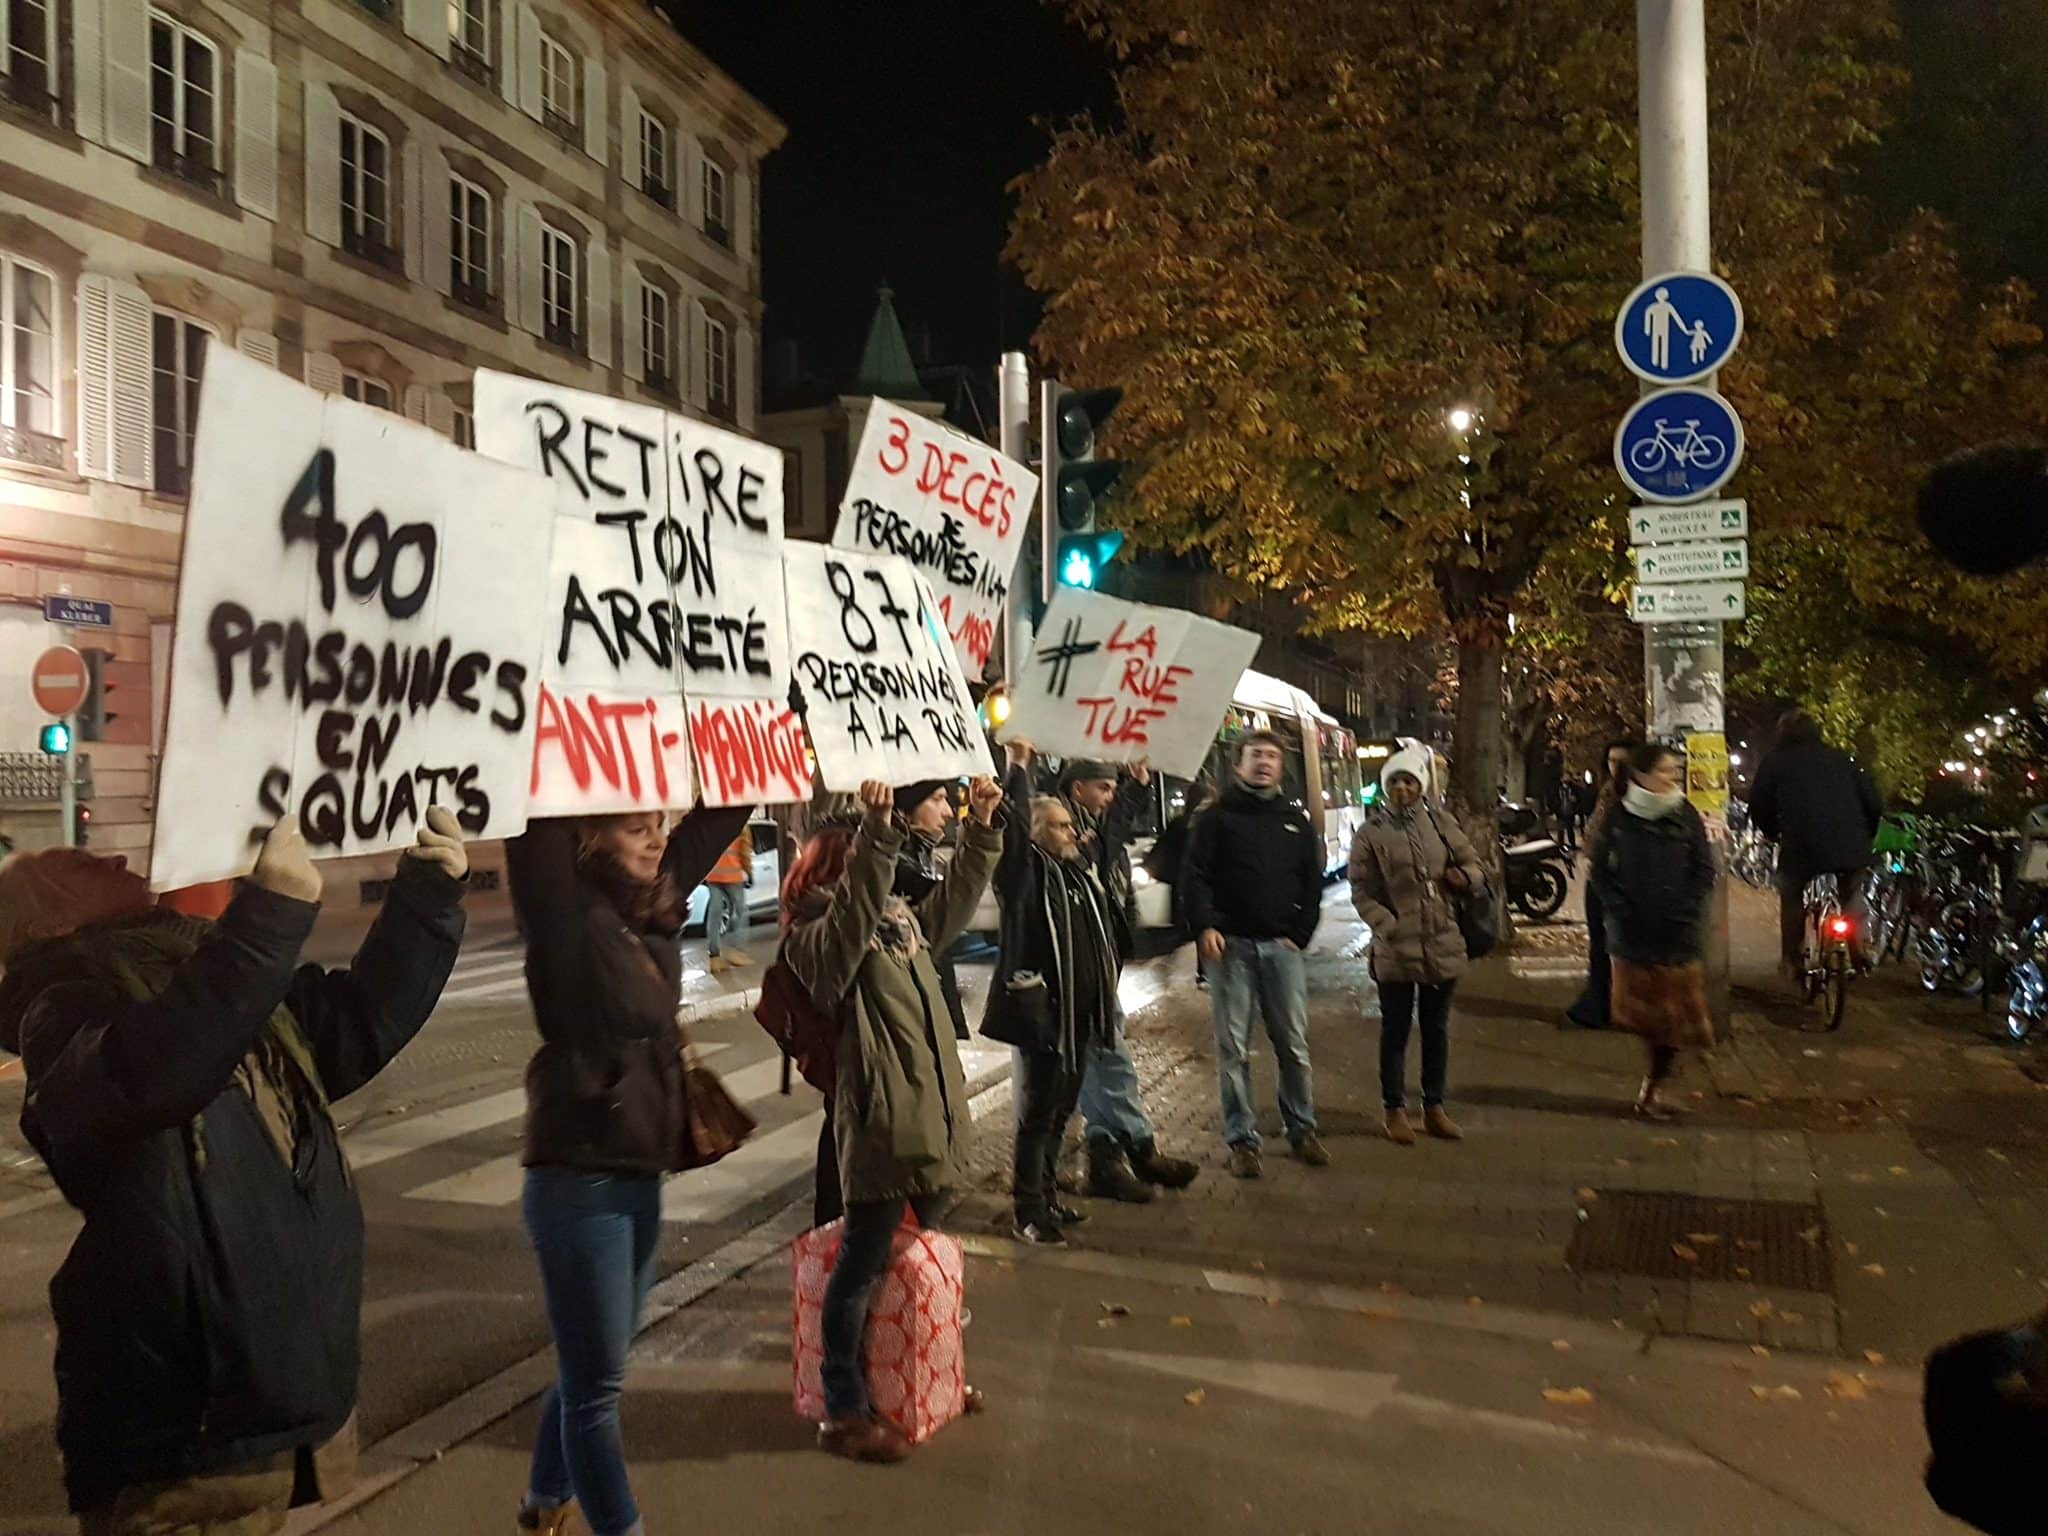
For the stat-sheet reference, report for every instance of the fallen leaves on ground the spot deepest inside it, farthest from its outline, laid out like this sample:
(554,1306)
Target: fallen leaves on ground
(1899,1172)
(1811,1234)
(1875,1271)
(1105,1322)
(1664,1141)
(1189,1322)
(1997,1155)
(1741,1272)
(1775,1394)
(1688,1254)
(1759,1351)
(1589,1196)
(1562,1346)
(1567,1397)
(1196,1398)
(1115,1309)
(1851,1249)
(1761,1309)
(1703,1239)
(1873,1356)
(1844,1388)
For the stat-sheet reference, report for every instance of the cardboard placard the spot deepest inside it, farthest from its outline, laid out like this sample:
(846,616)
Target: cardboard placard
(354,639)
(952,506)
(1121,681)
(880,680)
(667,665)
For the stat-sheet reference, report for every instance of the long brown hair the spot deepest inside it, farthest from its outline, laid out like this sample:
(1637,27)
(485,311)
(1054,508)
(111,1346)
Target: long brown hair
(650,904)
(819,867)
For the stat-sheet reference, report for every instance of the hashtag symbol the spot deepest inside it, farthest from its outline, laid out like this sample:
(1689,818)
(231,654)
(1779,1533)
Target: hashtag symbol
(1061,657)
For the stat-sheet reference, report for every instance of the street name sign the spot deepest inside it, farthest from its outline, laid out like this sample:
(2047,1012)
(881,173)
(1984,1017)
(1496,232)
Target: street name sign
(1678,445)
(1701,601)
(1687,525)
(78,612)
(1678,328)
(1723,560)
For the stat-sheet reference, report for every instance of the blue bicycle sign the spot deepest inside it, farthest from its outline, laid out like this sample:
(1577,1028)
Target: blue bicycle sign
(1678,445)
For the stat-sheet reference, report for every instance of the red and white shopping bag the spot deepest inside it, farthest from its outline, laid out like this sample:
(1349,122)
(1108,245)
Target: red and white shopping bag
(917,1372)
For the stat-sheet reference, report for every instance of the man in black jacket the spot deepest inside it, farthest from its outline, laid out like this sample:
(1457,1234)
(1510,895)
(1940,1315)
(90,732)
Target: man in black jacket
(1822,811)
(179,1075)
(1254,878)
(1124,1160)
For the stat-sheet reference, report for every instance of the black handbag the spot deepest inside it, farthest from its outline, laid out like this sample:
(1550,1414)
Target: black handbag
(1477,912)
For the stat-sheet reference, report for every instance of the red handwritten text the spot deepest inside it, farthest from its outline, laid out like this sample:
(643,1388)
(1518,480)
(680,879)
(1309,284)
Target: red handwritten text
(953,476)
(749,751)
(604,749)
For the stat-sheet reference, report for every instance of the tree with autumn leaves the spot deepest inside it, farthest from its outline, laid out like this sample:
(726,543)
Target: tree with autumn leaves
(1321,229)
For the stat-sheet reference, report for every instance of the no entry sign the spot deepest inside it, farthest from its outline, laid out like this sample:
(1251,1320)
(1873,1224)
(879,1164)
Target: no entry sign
(59,681)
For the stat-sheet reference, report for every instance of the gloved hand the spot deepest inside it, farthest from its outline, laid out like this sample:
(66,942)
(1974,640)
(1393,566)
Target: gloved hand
(440,842)
(285,867)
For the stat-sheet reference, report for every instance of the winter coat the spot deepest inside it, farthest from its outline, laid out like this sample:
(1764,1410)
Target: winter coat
(899,1111)
(735,866)
(1106,843)
(604,1093)
(1398,860)
(1036,1000)
(1653,878)
(209,1312)
(1254,869)
(917,876)
(1818,807)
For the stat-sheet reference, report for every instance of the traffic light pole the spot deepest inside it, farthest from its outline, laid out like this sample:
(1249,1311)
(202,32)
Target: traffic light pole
(1048,491)
(1013,433)
(67,793)
(1671,66)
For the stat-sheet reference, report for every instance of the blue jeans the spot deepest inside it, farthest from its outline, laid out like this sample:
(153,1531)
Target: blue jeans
(595,1236)
(864,1245)
(1268,974)
(1109,1091)
(725,911)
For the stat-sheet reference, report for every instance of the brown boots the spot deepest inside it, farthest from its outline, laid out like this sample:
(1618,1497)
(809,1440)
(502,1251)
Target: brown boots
(1401,1131)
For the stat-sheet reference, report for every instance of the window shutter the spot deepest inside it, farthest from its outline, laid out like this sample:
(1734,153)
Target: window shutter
(695,365)
(631,324)
(127,81)
(434,213)
(260,345)
(6,52)
(323,164)
(323,372)
(88,47)
(508,51)
(426,23)
(597,116)
(416,403)
(256,133)
(130,331)
(414,235)
(743,376)
(95,377)
(527,260)
(441,413)
(529,60)
(629,134)
(598,305)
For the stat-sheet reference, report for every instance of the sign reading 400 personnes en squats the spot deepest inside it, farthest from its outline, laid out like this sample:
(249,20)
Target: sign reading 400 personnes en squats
(952,506)
(355,638)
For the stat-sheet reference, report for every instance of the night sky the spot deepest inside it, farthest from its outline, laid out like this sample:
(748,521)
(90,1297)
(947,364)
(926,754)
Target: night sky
(906,120)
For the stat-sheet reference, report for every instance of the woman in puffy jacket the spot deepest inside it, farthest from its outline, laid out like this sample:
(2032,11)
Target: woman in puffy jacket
(1407,864)
(900,1115)
(601,902)
(1653,872)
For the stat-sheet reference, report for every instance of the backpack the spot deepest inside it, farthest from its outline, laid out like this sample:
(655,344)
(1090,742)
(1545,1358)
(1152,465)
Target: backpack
(802,1033)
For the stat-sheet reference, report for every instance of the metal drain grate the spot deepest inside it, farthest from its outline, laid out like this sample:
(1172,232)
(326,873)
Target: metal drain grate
(1670,1236)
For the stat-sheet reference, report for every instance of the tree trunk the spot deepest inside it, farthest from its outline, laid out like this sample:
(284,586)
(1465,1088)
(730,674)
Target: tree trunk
(1476,746)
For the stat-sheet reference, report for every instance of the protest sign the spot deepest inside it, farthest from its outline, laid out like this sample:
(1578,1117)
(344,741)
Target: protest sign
(952,506)
(882,690)
(1119,681)
(666,625)
(354,639)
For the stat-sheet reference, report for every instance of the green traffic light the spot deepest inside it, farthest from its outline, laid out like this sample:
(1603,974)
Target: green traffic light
(57,738)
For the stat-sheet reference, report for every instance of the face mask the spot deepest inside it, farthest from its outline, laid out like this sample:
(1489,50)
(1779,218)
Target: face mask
(1652,806)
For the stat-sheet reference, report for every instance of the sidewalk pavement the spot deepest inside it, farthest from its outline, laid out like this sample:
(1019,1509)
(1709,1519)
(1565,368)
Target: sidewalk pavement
(1573,1321)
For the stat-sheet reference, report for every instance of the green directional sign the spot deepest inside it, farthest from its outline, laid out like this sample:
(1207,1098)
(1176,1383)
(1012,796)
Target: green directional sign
(1717,561)
(1703,520)
(1689,602)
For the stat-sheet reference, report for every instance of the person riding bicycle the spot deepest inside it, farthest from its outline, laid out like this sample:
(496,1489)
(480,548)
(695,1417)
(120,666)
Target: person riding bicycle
(1822,811)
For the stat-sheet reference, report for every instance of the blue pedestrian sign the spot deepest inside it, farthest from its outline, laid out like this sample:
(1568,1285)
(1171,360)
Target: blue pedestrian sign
(1678,445)
(1678,328)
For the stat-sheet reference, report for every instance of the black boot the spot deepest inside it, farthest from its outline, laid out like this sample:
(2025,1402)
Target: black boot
(1167,1172)
(1110,1176)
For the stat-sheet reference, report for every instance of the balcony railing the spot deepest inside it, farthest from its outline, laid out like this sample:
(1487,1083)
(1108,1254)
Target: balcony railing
(471,62)
(662,191)
(562,334)
(37,450)
(196,170)
(371,246)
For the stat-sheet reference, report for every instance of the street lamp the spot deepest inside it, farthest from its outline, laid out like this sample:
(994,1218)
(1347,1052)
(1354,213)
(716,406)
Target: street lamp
(1461,420)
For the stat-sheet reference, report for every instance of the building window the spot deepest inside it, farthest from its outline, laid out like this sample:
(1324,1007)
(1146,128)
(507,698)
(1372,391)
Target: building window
(28,347)
(655,337)
(657,172)
(718,369)
(793,488)
(362,388)
(558,307)
(469,38)
(184,102)
(177,354)
(463,426)
(28,47)
(469,243)
(717,203)
(558,78)
(366,192)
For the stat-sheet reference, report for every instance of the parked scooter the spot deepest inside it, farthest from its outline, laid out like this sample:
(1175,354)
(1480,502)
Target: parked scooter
(1537,870)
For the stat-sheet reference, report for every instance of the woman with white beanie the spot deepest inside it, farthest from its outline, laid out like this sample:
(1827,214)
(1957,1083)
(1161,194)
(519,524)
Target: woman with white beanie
(1407,865)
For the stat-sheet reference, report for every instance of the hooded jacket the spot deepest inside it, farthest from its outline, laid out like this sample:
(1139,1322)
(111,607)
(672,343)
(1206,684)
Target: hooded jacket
(899,1110)
(1254,868)
(209,1312)
(1398,861)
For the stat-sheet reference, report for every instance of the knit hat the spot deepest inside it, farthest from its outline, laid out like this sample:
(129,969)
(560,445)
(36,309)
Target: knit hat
(1082,769)
(909,797)
(1416,760)
(55,891)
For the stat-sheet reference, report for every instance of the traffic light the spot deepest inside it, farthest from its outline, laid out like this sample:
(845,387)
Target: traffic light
(81,824)
(1083,555)
(93,715)
(1074,480)
(995,708)
(56,739)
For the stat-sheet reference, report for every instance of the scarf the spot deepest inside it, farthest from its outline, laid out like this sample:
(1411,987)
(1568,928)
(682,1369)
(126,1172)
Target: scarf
(1650,806)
